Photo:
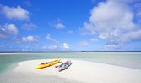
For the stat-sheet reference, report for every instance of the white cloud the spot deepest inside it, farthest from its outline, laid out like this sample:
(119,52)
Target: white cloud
(134,35)
(2,33)
(59,25)
(48,37)
(59,47)
(29,39)
(8,30)
(65,46)
(113,21)
(51,47)
(11,28)
(16,13)
(111,47)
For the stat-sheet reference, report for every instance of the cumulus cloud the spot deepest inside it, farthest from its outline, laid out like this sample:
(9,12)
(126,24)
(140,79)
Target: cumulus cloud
(61,46)
(16,13)
(59,25)
(113,21)
(3,34)
(58,45)
(8,30)
(48,37)
(65,46)
(29,38)
(11,28)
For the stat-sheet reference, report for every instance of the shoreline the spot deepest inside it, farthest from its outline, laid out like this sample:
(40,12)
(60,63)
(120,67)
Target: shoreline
(84,71)
(15,52)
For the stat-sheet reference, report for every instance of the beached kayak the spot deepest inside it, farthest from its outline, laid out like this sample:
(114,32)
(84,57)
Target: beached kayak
(63,66)
(44,65)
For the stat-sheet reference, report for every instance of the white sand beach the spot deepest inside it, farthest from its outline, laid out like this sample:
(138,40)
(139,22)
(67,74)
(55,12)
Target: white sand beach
(84,71)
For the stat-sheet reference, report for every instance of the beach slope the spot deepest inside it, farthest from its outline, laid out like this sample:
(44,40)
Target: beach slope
(84,71)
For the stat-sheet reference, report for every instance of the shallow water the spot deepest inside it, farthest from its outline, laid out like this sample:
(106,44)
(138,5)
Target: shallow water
(126,59)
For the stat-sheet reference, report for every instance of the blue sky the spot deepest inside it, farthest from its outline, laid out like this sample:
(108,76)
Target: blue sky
(74,25)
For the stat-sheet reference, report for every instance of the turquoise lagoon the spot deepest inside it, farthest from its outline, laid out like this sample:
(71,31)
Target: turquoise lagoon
(9,60)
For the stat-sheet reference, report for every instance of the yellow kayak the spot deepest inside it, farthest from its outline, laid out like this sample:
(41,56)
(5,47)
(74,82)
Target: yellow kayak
(44,65)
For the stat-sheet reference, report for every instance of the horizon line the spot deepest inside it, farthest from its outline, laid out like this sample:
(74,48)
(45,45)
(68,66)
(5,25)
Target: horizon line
(58,51)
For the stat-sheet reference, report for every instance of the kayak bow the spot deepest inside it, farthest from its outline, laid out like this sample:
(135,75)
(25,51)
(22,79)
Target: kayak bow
(44,65)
